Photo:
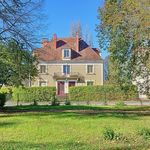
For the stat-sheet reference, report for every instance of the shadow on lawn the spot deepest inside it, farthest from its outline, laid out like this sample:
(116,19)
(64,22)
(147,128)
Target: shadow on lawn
(7,124)
(78,112)
(73,115)
(66,145)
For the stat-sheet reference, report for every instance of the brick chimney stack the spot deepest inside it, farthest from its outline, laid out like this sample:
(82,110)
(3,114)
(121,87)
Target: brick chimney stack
(77,42)
(55,41)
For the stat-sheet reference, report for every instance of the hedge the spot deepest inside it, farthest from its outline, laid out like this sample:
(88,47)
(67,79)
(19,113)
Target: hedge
(34,94)
(102,93)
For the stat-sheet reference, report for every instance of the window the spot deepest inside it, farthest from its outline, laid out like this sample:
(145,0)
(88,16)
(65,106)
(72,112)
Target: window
(42,68)
(66,53)
(66,69)
(90,69)
(89,83)
(42,83)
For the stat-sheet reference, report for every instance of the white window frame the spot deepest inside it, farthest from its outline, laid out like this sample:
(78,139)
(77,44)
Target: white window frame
(46,69)
(87,68)
(66,58)
(62,68)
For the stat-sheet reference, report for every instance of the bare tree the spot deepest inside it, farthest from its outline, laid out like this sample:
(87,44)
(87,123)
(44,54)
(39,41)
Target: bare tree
(18,20)
(76,27)
(85,34)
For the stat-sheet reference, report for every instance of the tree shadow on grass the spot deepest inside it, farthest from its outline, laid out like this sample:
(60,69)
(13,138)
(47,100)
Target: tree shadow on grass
(74,115)
(95,116)
(66,145)
(7,124)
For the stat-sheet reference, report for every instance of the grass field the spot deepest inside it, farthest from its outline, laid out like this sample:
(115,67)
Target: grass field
(70,130)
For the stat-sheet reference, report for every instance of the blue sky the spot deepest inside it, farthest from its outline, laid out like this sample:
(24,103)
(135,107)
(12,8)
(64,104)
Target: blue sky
(62,13)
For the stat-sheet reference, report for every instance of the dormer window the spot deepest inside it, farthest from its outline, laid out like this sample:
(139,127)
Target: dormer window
(66,54)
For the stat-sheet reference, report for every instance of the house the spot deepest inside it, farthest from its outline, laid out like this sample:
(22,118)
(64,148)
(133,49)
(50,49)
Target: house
(65,62)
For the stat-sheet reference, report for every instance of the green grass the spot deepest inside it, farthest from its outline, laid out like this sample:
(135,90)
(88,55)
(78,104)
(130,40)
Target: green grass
(70,130)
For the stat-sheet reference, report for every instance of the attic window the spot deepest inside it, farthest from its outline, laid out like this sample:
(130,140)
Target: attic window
(66,54)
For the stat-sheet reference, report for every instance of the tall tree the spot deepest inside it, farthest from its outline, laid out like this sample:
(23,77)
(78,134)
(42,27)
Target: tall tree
(85,34)
(124,31)
(76,27)
(18,64)
(18,20)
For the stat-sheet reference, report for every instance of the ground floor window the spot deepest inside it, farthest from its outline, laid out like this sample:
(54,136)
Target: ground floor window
(89,83)
(42,83)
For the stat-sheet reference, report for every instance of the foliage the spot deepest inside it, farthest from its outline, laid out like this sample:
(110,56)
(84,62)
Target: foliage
(2,99)
(145,132)
(17,64)
(34,94)
(124,32)
(54,100)
(102,93)
(110,134)
(19,20)
(6,90)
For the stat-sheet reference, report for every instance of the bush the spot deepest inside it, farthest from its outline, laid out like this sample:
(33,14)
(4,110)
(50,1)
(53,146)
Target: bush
(102,93)
(34,94)
(6,90)
(145,132)
(110,134)
(2,99)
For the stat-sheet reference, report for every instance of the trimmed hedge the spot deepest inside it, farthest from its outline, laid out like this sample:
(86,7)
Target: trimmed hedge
(34,94)
(102,93)
(2,99)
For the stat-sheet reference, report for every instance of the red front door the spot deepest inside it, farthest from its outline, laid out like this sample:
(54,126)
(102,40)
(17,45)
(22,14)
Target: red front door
(61,87)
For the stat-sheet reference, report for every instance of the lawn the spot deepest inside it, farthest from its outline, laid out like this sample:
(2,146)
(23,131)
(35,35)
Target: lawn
(75,130)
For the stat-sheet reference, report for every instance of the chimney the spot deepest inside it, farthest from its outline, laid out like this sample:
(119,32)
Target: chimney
(44,42)
(77,42)
(55,41)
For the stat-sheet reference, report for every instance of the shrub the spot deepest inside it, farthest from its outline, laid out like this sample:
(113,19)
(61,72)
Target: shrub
(34,94)
(145,132)
(102,93)
(6,90)
(110,134)
(2,99)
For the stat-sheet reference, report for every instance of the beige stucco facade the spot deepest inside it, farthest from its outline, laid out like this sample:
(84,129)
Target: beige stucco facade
(78,74)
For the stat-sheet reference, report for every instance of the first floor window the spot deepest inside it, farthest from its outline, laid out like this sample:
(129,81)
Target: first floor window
(89,83)
(66,69)
(90,69)
(42,68)
(42,83)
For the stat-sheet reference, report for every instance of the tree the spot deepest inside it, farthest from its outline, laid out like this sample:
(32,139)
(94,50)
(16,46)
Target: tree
(76,28)
(19,23)
(18,20)
(84,34)
(123,30)
(17,64)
